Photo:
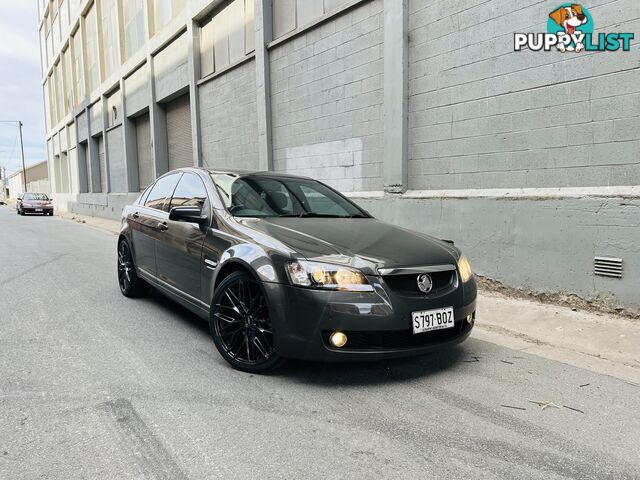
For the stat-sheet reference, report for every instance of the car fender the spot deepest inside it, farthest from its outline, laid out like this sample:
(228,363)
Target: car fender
(265,267)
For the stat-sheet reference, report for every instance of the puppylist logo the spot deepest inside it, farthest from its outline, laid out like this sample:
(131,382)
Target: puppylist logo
(570,28)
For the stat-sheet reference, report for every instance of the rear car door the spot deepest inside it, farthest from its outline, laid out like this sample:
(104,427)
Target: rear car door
(146,221)
(179,247)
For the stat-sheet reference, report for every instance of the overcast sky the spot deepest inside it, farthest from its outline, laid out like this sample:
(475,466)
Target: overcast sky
(20,84)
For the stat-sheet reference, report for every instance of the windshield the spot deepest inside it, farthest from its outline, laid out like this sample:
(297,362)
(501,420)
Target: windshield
(35,196)
(262,196)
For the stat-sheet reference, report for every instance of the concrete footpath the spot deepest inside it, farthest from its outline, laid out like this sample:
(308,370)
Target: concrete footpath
(600,342)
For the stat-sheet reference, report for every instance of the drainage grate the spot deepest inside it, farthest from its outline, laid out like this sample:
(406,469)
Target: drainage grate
(607,267)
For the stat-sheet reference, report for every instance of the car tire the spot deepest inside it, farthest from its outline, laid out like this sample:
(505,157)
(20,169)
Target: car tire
(130,284)
(240,324)
(21,212)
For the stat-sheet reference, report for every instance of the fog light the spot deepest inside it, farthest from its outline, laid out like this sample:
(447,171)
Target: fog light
(338,339)
(470,319)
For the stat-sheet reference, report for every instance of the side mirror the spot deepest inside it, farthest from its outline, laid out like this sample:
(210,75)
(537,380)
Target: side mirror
(187,214)
(19,199)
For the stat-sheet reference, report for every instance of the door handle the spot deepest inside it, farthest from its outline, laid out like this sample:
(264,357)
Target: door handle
(162,226)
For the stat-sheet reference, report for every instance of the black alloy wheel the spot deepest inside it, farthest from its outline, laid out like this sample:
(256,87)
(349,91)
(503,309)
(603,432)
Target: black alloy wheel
(130,284)
(240,324)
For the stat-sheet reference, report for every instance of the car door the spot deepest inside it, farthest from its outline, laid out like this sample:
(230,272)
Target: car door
(179,246)
(147,219)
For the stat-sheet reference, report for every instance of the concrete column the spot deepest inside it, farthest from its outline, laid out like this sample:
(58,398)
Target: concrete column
(396,95)
(158,121)
(105,144)
(263,23)
(193,59)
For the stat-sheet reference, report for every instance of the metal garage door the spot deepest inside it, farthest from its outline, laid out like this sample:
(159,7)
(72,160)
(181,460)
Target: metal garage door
(103,165)
(179,133)
(144,152)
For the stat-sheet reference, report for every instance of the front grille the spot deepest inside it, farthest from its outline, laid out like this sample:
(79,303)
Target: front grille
(408,284)
(384,340)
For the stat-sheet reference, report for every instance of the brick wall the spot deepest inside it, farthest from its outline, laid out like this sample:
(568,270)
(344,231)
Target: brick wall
(484,116)
(229,125)
(326,101)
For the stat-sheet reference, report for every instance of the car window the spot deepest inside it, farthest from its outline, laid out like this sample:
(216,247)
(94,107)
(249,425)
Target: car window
(190,192)
(35,196)
(262,196)
(143,196)
(160,195)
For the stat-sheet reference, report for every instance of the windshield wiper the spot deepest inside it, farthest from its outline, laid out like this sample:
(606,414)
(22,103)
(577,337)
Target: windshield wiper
(320,215)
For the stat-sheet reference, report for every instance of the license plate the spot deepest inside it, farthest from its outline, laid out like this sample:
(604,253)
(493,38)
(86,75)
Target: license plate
(38,209)
(427,320)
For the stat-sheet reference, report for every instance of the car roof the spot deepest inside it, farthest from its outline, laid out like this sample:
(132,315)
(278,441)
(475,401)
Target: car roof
(243,172)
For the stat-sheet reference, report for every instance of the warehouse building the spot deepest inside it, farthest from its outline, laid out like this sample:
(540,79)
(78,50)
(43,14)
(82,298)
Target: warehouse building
(37,180)
(420,110)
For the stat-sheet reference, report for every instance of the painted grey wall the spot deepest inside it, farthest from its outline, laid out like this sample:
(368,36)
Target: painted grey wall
(229,119)
(96,124)
(170,68)
(326,101)
(535,244)
(136,90)
(484,116)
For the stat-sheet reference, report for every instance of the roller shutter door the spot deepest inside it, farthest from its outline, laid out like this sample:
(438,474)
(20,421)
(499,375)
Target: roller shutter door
(103,165)
(144,152)
(179,133)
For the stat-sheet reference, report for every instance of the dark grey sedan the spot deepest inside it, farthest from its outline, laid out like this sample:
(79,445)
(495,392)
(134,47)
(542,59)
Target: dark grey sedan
(286,267)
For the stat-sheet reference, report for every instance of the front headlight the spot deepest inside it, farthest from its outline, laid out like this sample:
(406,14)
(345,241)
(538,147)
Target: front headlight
(327,276)
(464,267)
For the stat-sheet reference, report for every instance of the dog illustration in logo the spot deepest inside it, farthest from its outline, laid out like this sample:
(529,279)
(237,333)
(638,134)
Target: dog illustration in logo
(569,18)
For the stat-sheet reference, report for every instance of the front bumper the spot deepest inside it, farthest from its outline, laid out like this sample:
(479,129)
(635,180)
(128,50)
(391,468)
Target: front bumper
(37,209)
(377,324)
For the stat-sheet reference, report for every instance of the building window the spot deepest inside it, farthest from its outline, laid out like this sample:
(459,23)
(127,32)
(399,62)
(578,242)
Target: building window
(133,25)
(289,15)
(78,67)
(51,92)
(92,53)
(109,17)
(60,105)
(47,104)
(65,61)
(164,11)
(227,36)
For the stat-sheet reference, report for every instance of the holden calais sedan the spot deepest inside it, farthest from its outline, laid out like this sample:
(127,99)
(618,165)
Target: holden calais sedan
(286,267)
(34,203)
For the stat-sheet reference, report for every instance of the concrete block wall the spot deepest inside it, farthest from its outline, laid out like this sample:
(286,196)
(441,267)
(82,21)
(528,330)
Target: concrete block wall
(538,245)
(327,100)
(484,116)
(228,119)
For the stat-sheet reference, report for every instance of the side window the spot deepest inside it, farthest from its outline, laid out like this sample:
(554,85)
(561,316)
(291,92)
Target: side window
(143,196)
(160,195)
(190,192)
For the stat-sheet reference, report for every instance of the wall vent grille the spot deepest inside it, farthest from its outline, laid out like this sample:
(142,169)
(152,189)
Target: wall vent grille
(607,267)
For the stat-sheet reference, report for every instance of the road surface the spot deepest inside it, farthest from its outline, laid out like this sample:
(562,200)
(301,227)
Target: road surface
(94,385)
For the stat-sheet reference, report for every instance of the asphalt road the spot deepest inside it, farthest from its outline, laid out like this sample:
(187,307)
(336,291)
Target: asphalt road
(94,385)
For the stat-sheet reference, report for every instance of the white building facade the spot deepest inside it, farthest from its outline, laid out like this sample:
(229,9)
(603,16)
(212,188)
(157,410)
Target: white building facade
(421,110)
